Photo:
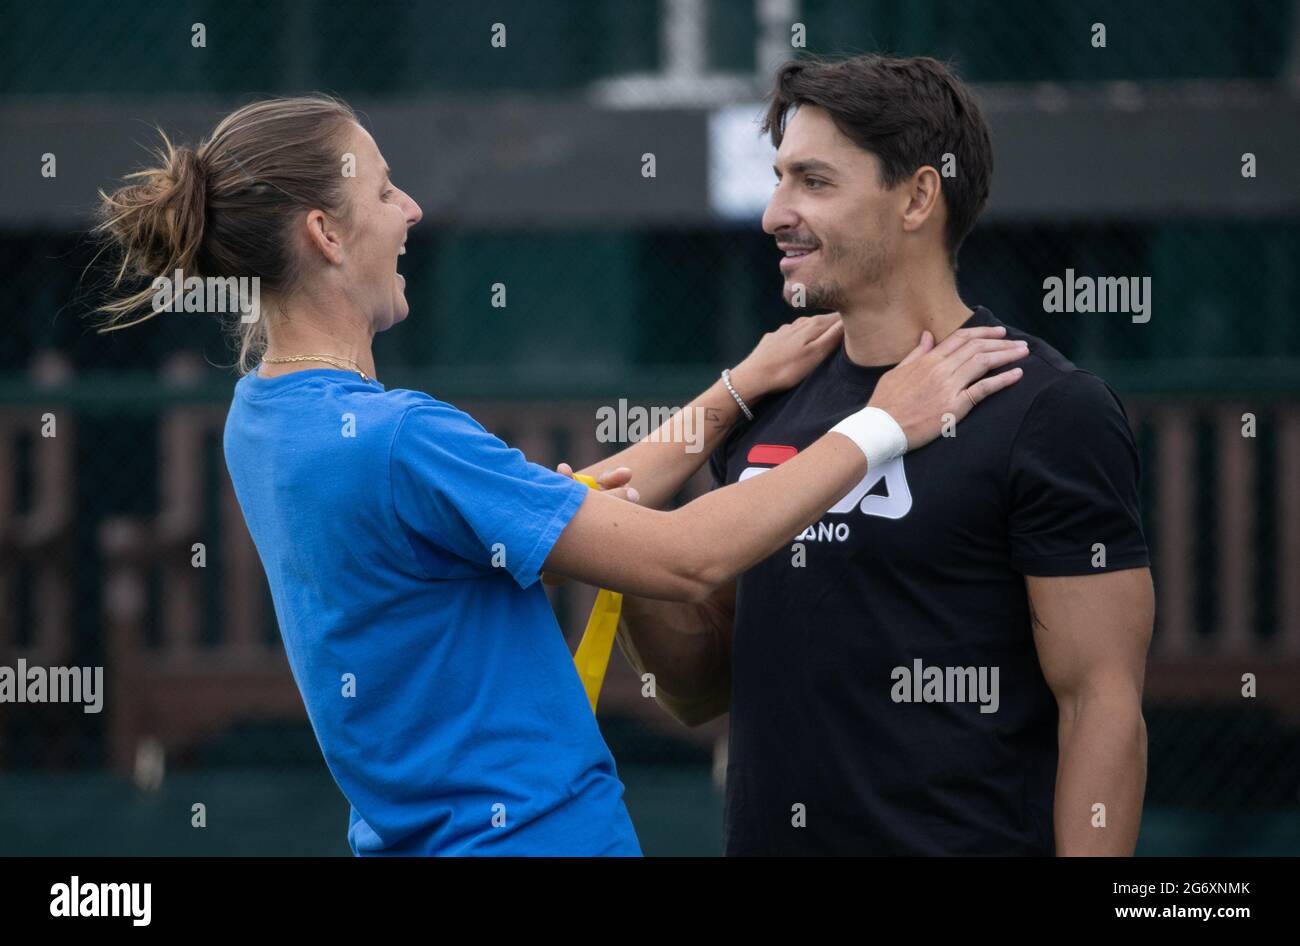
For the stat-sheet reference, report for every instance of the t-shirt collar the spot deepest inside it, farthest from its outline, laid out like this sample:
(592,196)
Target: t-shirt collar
(259,386)
(867,376)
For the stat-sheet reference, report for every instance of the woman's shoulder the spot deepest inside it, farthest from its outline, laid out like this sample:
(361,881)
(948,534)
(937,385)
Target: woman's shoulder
(418,414)
(404,401)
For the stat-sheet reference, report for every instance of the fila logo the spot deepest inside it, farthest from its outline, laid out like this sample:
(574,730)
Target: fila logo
(894,504)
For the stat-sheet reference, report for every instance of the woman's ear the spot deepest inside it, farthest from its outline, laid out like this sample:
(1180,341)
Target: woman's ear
(324,236)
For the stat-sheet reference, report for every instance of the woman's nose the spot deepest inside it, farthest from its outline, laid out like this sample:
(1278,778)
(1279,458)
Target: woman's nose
(413,212)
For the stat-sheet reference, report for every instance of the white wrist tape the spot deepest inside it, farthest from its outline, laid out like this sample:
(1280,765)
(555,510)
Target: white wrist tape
(877,435)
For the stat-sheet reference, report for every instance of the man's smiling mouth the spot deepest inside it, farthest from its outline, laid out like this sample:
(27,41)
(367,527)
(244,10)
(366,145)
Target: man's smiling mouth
(795,254)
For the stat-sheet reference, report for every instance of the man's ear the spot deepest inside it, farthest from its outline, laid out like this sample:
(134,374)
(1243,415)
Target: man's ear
(323,235)
(922,191)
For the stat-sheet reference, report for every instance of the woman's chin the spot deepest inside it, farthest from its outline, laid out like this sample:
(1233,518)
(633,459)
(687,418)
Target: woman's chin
(401,308)
(398,313)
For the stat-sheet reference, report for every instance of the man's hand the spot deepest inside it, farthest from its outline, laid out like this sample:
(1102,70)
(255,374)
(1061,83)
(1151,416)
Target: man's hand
(613,482)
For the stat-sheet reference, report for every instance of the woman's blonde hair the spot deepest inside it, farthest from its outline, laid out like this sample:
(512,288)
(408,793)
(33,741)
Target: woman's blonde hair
(227,207)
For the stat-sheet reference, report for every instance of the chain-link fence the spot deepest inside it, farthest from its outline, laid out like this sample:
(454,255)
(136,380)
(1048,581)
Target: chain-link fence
(381,48)
(97,523)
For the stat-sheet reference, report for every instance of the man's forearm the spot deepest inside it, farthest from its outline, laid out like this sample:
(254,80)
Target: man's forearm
(661,464)
(1103,762)
(684,649)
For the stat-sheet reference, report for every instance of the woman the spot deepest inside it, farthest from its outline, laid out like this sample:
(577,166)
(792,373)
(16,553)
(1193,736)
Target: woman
(402,542)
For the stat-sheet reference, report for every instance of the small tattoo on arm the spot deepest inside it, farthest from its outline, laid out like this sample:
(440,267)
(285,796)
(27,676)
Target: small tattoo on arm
(1034,619)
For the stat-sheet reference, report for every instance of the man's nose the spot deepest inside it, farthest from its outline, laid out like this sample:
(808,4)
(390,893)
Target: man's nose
(778,215)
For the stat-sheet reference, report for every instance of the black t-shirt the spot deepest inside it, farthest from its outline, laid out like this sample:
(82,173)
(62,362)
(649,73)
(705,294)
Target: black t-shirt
(886,692)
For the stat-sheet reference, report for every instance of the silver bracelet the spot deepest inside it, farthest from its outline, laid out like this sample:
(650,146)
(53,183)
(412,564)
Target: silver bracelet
(726,379)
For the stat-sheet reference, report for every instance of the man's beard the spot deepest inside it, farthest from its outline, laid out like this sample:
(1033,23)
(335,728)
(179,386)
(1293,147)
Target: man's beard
(827,294)
(867,260)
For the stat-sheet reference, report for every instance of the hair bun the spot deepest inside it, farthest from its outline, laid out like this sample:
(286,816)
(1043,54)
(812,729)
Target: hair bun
(225,207)
(188,168)
(156,220)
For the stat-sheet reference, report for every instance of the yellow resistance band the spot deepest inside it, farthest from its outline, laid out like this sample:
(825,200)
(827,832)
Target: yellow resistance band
(592,657)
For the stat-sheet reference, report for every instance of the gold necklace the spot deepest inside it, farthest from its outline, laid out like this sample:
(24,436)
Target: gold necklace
(327,359)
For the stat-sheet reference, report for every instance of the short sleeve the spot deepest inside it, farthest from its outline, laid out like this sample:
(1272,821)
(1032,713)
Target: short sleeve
(1073,483)
(463,490)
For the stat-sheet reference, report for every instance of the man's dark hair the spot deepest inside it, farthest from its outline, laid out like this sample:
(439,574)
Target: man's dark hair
(908,113)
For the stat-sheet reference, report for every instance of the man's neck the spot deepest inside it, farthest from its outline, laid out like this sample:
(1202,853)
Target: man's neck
(886,323)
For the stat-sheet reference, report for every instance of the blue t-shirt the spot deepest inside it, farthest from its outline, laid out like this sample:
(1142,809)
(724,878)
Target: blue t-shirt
(403,544)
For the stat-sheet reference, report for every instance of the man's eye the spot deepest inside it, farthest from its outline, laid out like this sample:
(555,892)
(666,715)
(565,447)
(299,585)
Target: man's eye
(389,192)
(812,182)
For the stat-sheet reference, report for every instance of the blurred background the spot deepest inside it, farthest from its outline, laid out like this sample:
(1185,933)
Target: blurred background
(1169,152)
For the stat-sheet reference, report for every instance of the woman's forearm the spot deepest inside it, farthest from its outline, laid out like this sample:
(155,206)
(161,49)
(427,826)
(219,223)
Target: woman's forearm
(662,462)
(727,531)
(684,554)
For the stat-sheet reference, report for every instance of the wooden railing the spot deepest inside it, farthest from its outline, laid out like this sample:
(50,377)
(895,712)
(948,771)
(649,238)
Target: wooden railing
(1190,662)
(36,536)
(178,690)
(166,684)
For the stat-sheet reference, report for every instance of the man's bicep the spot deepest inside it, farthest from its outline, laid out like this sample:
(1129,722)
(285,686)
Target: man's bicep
(1092,631)
(686,647)
(718,612)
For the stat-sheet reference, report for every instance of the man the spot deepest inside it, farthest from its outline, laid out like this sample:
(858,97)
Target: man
(951,660)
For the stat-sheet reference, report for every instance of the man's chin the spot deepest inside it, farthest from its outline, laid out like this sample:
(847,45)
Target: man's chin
(812,297)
